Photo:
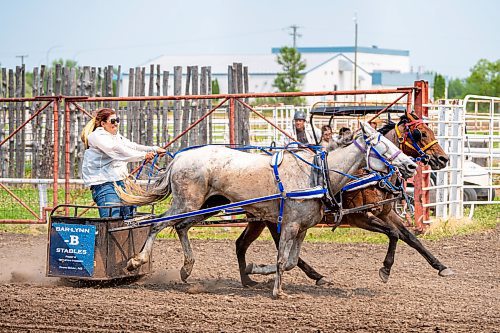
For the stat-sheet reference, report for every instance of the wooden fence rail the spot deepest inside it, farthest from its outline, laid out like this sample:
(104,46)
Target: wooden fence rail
(30,153)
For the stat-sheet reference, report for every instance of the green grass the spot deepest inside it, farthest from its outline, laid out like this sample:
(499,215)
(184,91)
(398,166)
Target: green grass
(11,209)
(485,217)
(24,229)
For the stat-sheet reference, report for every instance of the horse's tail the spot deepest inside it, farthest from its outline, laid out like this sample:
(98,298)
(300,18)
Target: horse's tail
(134,194)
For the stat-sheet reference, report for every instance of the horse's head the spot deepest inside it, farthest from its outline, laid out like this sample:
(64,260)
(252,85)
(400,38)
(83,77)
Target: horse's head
(418,140)
(385,153)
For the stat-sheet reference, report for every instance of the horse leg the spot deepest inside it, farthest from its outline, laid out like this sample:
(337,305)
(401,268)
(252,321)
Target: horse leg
(310,272)
(182,232)
(406,236)
(143,256)
(385,271)
(179,205)
(288,254)
(264,269)
(250,234)
(373,223)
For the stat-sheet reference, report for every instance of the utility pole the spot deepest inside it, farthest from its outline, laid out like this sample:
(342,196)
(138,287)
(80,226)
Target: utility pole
(355,51)
(22,58)
(294,34)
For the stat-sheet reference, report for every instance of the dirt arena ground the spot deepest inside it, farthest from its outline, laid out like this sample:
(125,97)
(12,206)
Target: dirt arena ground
(416,299)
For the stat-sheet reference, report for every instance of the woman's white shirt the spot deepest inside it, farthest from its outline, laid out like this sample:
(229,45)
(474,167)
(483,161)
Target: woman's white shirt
(107,156)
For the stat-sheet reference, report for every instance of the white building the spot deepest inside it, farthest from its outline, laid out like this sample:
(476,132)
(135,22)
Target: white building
(327,68)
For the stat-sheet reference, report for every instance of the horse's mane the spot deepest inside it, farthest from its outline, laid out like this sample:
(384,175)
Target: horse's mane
(402,120)
(387,128)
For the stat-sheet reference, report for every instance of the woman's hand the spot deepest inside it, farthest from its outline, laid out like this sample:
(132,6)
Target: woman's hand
(149,156)
(161,151)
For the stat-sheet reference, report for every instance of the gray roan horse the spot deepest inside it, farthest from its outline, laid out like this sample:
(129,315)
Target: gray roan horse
(416,140)
(214,175)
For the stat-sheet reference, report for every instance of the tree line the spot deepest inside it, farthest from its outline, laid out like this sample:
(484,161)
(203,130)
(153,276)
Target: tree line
(484,79)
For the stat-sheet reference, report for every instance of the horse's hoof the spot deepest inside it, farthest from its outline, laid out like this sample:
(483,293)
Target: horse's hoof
(280,295)
(184,275)
(384,274)
(132,264)
(249,268)
(446,272)
(323,282)
(248,283)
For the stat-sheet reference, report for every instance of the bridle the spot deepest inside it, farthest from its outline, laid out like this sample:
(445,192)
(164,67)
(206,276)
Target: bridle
(370,151)
(411,136)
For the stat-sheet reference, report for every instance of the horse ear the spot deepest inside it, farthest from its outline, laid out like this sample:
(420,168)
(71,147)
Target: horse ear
(411,116)
(403,119)
(365,127)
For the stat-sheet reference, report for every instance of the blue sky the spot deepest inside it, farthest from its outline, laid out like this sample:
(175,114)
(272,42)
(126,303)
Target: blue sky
(444,36)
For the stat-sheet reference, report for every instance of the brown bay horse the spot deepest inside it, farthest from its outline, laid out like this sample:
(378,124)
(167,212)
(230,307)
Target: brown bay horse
(416,139)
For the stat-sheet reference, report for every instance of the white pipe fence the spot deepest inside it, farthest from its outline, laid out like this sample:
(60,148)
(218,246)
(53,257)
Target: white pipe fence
(460,124)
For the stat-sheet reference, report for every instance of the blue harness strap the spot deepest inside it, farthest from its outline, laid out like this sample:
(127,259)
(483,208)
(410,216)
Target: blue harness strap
(152,172)
(275,161)
(362,182)
(140,170)
(207,210)
(313,193)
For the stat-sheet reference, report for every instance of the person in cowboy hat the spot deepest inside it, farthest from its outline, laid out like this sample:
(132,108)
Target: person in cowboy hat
(302,130)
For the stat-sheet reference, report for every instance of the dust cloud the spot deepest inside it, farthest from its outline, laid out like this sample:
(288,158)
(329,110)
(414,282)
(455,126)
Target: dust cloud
(26,266)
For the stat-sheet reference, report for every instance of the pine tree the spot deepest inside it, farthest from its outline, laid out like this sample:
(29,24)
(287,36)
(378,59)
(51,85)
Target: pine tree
(439,86)
(215,87)
(290,79)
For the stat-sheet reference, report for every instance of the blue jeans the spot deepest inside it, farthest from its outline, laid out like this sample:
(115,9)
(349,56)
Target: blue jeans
(105,195)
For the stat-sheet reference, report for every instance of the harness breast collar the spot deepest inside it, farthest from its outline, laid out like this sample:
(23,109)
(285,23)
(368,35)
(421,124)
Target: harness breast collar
(300,194)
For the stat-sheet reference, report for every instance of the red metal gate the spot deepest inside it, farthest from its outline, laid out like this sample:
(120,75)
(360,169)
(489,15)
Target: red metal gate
(420,92)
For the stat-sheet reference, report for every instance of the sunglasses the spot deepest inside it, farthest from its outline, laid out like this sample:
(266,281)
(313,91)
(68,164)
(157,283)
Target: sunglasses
(115,120)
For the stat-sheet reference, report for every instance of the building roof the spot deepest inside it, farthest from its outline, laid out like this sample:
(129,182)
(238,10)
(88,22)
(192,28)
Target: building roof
(348,49)
(340,55)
